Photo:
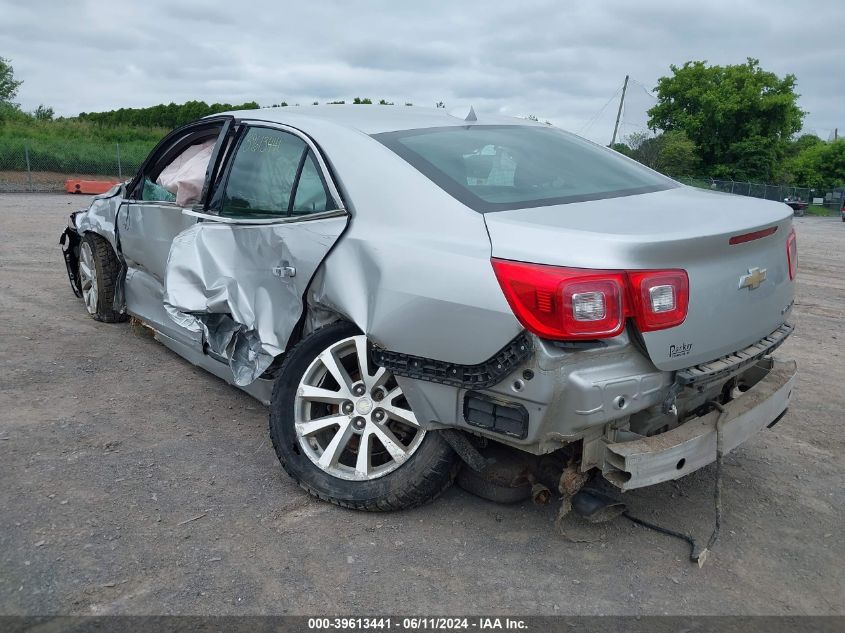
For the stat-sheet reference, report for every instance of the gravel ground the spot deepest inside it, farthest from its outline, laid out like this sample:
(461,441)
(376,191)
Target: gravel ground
(134,483)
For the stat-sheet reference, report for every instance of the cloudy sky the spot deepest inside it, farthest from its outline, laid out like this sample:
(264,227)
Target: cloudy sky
(560,60)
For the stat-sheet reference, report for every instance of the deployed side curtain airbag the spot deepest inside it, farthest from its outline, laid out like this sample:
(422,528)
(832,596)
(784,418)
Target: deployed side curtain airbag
(185,176)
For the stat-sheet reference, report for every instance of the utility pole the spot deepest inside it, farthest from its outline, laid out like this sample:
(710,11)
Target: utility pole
(836,134)
(619,112)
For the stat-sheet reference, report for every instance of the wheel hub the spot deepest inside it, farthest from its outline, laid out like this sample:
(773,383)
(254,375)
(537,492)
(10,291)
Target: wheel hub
(364,405)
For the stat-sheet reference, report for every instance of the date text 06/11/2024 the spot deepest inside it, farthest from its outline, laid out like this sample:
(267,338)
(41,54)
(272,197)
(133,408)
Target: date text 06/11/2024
(416,623)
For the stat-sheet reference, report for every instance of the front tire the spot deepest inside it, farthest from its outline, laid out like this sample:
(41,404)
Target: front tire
(344,431)
(98,272)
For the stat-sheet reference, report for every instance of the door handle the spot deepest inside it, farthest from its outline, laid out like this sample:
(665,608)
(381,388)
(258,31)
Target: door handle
(284,271)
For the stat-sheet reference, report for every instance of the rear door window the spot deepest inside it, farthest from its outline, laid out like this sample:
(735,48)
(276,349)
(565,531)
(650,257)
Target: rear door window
(311,195)
(263,173)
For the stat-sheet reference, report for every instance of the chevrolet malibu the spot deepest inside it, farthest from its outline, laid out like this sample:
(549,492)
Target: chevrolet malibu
(409,289)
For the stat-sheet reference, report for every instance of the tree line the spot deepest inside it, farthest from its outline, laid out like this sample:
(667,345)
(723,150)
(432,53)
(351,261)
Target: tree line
(171,115)
(735,122)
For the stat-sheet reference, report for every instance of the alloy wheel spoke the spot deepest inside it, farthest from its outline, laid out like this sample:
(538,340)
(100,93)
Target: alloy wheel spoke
(400,414)
(379,379)
(363,362)
(310,393)
(332,452)
(389,441)
(318,424)
(406,416)
(337,371)
(362,463)
(91,300)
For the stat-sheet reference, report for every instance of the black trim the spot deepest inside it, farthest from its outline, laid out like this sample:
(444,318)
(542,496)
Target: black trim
(69,241)
(299,167)
(719,368)
(480,376)
(777,419)
(213,206)
(214,162)
(391,140)
(496,415)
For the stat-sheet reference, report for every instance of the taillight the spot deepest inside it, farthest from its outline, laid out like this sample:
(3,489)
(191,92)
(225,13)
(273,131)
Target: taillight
(563,303)
(660,298)
(577,303)
(792,254)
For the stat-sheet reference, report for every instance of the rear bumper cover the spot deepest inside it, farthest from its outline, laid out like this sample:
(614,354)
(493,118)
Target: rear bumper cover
(671,455)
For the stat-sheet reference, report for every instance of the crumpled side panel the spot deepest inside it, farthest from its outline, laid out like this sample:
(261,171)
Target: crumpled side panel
(101,216)
(233,284)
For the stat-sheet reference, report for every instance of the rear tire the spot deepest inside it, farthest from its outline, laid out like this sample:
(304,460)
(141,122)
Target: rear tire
(98,273)
(343,430)
(476,484)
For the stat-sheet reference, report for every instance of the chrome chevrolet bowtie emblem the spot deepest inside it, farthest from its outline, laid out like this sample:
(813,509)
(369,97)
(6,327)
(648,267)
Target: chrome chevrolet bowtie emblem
(753,279)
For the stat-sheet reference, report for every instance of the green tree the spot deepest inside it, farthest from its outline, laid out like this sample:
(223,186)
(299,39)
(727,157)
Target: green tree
(677,155)
(739,117)
(671,153)
(820,166)
(786,172)
(8,84)
(803,142)
(43,113)
(168,116)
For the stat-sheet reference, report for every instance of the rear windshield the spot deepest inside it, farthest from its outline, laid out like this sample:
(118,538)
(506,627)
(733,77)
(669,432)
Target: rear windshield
(501,167)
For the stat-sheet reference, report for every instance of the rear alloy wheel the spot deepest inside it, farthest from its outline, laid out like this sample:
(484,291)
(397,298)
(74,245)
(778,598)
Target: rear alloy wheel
(98,272)
(343,429)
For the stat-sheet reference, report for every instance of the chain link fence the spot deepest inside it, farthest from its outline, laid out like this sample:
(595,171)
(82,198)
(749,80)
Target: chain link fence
(831,201)
(752,189)
(44,166)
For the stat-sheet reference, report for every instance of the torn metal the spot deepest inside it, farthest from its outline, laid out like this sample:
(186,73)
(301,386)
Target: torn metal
(238,286)
(101,216)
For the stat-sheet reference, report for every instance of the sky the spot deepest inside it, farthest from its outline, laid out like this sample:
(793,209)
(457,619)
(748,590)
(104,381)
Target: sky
(562,61)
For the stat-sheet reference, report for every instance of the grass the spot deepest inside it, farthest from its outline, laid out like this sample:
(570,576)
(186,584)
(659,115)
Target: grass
(74,146)
(815,209)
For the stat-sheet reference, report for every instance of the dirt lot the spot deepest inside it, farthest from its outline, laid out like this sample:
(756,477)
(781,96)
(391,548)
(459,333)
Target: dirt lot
(111,445)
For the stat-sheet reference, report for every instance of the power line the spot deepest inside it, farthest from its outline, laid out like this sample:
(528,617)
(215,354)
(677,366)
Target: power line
(595,117)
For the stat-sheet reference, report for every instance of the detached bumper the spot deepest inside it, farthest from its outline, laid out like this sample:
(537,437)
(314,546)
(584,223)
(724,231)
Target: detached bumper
(69,241)
(671,455)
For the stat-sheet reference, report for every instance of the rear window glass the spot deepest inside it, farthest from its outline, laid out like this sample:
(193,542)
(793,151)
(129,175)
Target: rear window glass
(501,167)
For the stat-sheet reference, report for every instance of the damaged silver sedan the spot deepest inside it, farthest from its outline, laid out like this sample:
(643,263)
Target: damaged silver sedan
(410,291)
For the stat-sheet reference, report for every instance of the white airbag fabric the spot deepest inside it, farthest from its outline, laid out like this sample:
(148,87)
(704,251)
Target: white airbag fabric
(185,176)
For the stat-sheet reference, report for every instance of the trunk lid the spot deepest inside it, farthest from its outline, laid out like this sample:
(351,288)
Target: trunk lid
(678,228)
